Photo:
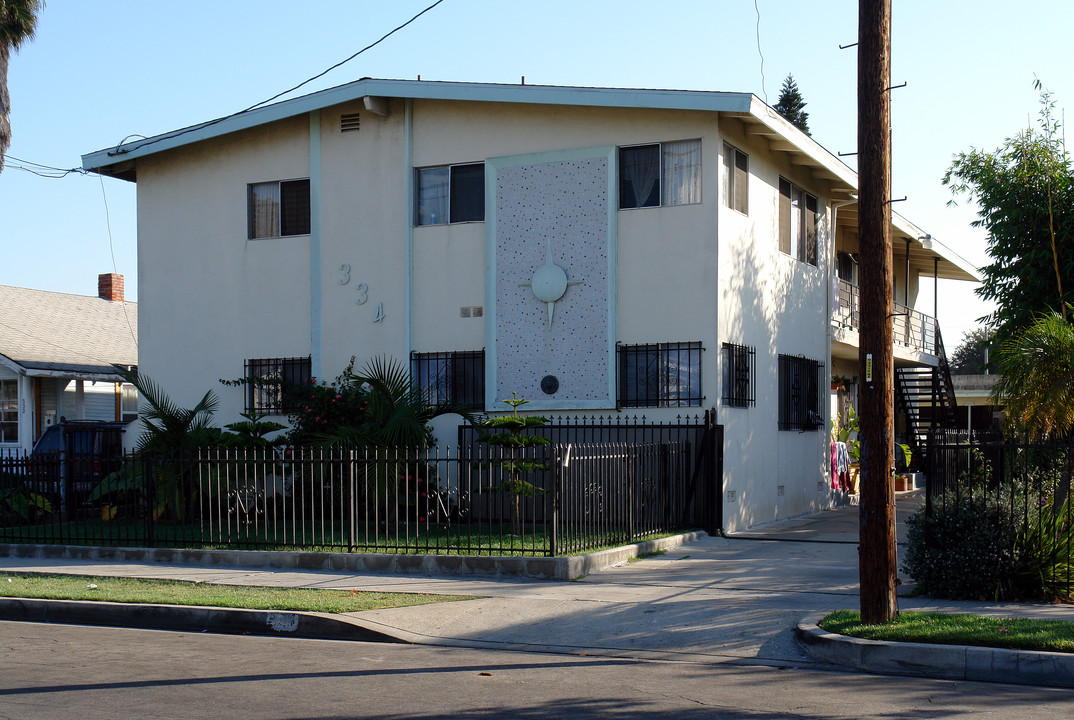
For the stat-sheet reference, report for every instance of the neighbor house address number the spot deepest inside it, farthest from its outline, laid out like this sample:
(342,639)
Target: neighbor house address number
(362,291)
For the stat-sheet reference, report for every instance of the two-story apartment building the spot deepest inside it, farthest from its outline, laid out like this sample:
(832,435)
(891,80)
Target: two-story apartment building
(591,249)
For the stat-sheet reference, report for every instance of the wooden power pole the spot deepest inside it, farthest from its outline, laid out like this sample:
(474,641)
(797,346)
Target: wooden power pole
(877,571)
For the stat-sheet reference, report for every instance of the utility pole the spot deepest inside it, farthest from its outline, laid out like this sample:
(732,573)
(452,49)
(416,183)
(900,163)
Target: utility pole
(877,571)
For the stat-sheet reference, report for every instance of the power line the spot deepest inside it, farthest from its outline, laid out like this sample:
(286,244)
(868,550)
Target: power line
(118,150)
(41,170)
(112,250)
(757,10)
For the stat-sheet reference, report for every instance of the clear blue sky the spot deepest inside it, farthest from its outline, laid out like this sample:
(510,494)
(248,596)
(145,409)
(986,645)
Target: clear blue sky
(102,70)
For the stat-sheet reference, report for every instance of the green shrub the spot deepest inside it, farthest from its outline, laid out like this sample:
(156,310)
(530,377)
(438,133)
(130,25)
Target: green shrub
(965,549)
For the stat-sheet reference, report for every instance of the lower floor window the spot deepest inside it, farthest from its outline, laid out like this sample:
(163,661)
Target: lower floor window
(799,393)
(660,375)
(9,411)
(739,364)
(450,377)
(268,380)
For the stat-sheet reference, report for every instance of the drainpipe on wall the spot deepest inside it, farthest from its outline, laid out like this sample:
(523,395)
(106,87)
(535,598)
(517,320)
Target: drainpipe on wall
(316,296)
(408,222)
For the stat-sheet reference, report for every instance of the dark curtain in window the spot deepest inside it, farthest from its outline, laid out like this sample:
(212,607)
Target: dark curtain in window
(785,216)
(811,230)
(468,193)
(639,176)
(742,183)
(295,207)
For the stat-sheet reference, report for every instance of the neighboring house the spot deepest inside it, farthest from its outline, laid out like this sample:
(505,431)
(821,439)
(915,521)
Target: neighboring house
(977,409)
(58,354)
(594,250)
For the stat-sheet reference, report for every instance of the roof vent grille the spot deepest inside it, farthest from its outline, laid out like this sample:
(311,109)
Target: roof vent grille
(351,122)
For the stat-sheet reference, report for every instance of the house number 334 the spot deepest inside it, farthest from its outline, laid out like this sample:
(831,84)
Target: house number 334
(362,291)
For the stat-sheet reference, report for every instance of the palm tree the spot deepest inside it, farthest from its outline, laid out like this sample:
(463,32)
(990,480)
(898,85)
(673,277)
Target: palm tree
(1036,384)
(18,21)
(170,429)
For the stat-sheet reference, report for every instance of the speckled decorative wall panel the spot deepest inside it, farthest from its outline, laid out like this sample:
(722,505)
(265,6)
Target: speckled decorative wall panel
(552,342)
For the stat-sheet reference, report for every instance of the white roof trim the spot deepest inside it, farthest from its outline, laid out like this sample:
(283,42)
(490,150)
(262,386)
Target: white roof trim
(910,229)
(709,101)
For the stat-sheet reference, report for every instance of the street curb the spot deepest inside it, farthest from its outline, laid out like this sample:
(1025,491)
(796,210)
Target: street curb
(185,618)
(948,662)
(541,568)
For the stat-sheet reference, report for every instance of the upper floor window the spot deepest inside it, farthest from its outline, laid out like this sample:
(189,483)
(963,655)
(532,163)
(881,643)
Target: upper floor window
(450,194)
(267,381)
(278,209)
(799,393)
(736,179)
(450,377)
(660,174)
(739,364)
(799,213)
(660,375)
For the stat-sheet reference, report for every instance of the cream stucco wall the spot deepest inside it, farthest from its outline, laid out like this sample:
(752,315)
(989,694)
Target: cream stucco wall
(779,306)
(215,298)
(210,298)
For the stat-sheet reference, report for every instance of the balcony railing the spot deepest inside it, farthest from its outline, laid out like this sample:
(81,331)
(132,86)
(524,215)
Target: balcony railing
(912,330)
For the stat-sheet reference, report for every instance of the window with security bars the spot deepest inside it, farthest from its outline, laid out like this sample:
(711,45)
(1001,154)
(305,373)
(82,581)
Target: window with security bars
(267,382)
(739,372)
(660,375)
(454,377)
(800,381)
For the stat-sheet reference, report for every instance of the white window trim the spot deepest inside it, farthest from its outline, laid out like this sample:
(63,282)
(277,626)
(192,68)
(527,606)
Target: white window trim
(279,221)
(729,166)
(417,194)
(660,176)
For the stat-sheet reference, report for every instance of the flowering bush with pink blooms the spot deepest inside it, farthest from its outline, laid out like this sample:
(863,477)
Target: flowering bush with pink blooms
(325,410)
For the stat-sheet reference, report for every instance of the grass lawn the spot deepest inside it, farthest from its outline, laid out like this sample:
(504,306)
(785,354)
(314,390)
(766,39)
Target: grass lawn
(942,628)
(173,592)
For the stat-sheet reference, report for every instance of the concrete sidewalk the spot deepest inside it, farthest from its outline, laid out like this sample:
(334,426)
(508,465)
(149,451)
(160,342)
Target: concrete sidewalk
(713,599)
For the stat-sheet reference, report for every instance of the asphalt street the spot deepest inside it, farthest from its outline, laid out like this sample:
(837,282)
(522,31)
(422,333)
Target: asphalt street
(61,671)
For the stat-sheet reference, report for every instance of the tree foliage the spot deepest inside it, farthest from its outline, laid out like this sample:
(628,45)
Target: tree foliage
(969,358)
(18,23)
(791,105)
(1025,193)
(1036,385)
(509,432)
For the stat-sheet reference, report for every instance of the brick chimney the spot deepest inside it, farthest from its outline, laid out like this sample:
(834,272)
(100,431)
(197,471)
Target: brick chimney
(110,287)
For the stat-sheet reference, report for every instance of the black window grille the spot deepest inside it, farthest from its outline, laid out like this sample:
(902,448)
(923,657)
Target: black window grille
(456,377)
(799,393)
(739,373)
(268,380)
(660,375)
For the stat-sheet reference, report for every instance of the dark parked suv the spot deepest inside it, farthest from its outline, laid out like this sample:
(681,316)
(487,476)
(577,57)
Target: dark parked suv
(80,453)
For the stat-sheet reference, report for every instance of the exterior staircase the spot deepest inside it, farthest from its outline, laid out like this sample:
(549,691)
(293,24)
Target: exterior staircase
(927,396)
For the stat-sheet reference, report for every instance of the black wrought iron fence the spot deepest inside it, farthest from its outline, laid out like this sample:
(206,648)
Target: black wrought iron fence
(1022,489)
(551,500)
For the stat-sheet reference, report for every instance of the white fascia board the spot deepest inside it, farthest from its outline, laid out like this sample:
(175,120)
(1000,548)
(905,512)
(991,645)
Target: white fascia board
(12,365)
(775,122)
(914,232)
(957,260)
(709,101)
